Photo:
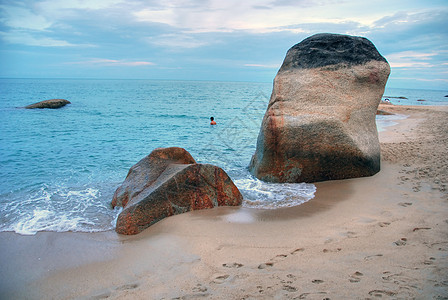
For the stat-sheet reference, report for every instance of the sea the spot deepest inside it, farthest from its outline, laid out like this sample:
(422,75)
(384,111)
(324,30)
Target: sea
(59,168)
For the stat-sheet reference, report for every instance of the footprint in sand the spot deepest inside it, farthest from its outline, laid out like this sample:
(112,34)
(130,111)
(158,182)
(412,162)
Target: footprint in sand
(441,246)
(265,265)
(381,293)
(289,288)
(317,281)
(221,279)
(279,257)
(372,256)
(305,295)
(428,262)
(193,296)
(401,242)
(405,204)
(383,224)
(276,259)
(129,286)
(233,265)
(199,288)
(350,234)
(107,294)
(104,295)
(420,228)
(303,249)
(356,277)
(331,250)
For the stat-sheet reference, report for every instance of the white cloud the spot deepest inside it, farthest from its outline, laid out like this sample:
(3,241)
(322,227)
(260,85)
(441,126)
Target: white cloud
(270,66)
(164,16)
(176,41)
(113,62)
(22,18)
(422,79)
(30,24)
(51,6)
(25,38)
(411,59)
(219,16)
(236,15)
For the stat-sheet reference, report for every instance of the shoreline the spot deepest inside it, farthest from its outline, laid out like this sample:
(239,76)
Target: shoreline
(384,235)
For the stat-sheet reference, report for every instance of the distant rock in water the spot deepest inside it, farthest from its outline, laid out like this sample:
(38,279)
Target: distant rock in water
(168,182)
(52,103)
(320,122)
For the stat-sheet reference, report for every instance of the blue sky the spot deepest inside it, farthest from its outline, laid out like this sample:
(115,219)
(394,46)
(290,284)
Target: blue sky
(212,39)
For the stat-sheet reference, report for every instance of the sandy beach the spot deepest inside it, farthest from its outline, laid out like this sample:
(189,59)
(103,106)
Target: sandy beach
(384,236)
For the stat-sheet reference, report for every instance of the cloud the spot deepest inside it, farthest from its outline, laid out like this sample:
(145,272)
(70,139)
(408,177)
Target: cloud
(51,5)
(411,59)
(23,18)
(45,23)
(265,15)
(301,3)
(24,38)
(422,79)
(113,62)
(221,16)
(176,41)
(270,66)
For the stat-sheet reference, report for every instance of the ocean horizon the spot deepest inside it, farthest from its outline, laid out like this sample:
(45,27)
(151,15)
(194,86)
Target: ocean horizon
(61,167)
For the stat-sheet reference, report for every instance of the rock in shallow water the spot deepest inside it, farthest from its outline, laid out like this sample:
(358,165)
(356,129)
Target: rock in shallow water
(168,182)
(320,121)
(52,103)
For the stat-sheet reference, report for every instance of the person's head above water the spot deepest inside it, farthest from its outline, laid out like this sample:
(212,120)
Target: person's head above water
(212,121)
(211,118)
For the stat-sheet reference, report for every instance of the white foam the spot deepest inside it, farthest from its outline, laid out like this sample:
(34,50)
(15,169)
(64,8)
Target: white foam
(383,121)
(242,217)
(86,209)
(264,195)
(60,209)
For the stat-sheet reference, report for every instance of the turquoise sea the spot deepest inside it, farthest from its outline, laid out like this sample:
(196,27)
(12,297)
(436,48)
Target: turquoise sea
(60,168)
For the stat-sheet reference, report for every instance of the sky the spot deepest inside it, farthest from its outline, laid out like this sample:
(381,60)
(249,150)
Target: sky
(221,40)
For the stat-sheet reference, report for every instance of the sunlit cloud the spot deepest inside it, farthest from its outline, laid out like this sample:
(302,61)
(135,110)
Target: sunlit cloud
(422,79)
(28,39)
(232,15)
(176,41)
(270,66)
(411,59)
(78,4)
(263,16)
(23,18)
(113,62)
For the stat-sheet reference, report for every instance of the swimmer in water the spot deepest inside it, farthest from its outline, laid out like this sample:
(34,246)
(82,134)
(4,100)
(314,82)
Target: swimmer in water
(212,121)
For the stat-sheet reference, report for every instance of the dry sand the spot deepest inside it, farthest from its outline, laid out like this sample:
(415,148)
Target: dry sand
(384,236)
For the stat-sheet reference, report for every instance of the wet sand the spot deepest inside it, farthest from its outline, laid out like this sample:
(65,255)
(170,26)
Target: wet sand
(381,236)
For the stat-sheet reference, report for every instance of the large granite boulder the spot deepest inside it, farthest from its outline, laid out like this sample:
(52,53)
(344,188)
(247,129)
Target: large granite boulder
(320,121)
(52,103)
(168,182)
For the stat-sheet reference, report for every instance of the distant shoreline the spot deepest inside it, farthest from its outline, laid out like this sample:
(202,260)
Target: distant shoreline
(192,80)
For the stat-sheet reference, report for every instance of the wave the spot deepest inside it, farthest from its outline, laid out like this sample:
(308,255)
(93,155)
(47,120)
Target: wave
(58,209)
(264,195)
